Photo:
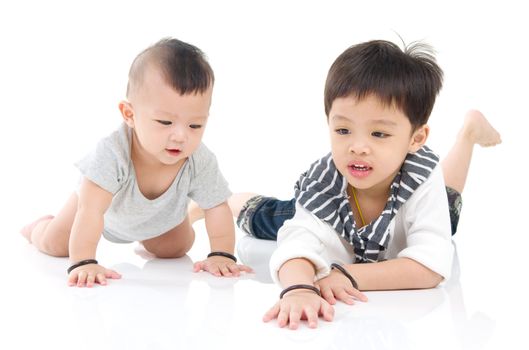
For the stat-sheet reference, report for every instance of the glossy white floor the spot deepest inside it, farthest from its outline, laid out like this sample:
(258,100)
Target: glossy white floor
(161,304)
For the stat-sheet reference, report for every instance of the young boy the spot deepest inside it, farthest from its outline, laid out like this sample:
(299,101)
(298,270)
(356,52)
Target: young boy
(372,214)
(136,183)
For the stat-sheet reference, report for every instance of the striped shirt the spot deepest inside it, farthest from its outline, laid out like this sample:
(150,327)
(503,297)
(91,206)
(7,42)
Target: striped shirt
(322,190)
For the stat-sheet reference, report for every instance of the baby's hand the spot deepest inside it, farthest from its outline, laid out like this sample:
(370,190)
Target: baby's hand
(299,305)
(221,266)
(337,286)
(87,275)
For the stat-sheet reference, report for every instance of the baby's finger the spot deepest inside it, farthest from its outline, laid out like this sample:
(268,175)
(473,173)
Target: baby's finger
(100,278)
(198,266)
(213,269)
(90,279)
(234,269)
(244,268)
(224,271)
(72,279)
(112,274)
(81,279)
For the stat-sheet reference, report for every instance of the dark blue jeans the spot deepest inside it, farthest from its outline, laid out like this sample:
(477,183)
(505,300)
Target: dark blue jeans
(262,217)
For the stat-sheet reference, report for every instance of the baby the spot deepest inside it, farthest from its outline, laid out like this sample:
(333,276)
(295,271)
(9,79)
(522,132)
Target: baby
(137,182)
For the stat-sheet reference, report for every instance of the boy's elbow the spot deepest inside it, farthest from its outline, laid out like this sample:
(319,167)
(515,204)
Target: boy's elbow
(432,280)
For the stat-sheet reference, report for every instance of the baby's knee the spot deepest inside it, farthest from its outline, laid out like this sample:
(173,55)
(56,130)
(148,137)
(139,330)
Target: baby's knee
(54,248)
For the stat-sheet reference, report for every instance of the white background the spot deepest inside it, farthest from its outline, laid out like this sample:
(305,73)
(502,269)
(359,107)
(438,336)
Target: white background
(64,65)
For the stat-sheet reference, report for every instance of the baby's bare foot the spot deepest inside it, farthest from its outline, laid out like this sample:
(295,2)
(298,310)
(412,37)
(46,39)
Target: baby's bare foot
(28,229)
(478,130)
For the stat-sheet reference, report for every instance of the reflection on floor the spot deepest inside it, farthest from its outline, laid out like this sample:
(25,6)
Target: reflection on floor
(162,304)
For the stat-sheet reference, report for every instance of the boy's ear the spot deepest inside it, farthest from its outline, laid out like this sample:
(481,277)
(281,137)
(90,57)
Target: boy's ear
(419,137)
(127,112)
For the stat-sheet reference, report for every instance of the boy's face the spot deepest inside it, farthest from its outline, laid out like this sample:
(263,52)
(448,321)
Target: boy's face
(369,141)
(168,126)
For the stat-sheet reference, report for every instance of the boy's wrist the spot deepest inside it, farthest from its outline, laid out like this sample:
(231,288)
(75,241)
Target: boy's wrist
(296,287)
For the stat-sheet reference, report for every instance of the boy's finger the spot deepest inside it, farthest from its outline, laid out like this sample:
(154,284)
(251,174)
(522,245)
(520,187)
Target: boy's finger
(327,311)
(312,317)
(282,317)
(272,313)
(356,293)
(328,295)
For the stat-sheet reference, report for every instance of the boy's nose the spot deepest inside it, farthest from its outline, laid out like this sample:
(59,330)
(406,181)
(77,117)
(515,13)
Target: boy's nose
(359,147)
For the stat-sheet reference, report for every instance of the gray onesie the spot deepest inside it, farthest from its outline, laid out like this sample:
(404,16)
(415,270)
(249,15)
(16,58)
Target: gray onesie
(131,216)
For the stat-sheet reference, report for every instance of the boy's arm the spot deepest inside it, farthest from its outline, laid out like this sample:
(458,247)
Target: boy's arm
(221,232)
(399,273)
(86,231)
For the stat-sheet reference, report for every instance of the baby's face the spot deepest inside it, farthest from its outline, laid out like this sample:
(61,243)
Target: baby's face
(369,141)
(169,126)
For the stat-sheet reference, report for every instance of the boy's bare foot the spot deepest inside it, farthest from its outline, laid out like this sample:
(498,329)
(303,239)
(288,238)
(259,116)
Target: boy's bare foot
(28,229)
(478,130)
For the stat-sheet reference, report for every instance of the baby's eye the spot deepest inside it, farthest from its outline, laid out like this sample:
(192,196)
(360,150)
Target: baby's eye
(195,126)
(342,131)
(379,134)
(164,122)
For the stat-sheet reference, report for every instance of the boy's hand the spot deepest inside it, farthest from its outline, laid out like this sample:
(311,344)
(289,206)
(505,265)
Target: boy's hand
(338,287)
(221,266)
(87,275)
(297,305)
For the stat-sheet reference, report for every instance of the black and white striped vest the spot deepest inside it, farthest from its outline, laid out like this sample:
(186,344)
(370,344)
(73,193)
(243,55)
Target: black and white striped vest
(322,190)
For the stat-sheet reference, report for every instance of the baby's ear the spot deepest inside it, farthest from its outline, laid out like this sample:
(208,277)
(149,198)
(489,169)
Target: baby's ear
(127,112)
(419,137)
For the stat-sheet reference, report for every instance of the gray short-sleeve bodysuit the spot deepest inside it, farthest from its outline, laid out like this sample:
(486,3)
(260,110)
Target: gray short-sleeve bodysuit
(131,216)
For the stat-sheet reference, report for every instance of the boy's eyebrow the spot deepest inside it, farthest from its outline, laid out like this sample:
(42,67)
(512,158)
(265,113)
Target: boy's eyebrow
(387,122)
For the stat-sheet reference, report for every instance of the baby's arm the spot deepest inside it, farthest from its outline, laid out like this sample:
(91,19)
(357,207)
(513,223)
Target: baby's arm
(86,232)
(221,232)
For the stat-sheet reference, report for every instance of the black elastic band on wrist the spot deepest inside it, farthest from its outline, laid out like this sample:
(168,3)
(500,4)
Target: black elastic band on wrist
(299,286)
(81,263)
(226,255)
(346,274)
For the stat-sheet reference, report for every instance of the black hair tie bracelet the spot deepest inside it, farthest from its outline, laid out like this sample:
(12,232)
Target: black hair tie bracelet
(299,286)
(81,263)
(226,255)
(346,274)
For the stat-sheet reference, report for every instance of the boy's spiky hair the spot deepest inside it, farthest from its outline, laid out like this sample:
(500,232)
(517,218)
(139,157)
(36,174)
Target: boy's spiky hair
(409,79)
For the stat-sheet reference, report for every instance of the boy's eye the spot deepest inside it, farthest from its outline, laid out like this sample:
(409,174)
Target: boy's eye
(342,131)
(379,134)
(164,122)
(195,126)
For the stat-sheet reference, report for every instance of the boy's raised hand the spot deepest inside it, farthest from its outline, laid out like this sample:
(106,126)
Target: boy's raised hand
(338,287)
(88,275)
(299,305)
(221,266)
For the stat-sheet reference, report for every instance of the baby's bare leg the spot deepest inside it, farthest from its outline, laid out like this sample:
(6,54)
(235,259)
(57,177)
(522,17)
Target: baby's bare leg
(174,243)
(235,202)
(476,129)
(51,234)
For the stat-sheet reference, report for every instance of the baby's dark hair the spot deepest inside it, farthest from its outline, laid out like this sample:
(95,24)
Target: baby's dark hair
(409,79)
(183,66)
